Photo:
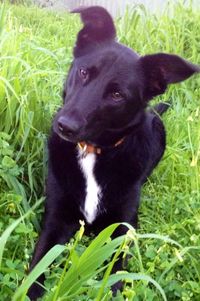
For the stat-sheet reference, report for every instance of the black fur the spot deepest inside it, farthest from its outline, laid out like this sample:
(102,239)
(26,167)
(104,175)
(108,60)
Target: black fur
(105,96)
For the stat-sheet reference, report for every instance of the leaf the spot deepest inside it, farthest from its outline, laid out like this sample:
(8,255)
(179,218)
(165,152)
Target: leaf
(4,237)
(8,162)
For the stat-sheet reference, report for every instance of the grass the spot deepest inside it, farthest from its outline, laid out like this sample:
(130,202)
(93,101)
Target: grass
(35,54)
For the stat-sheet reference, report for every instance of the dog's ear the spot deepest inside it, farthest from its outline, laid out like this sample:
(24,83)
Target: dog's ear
(98,27)
(162,69)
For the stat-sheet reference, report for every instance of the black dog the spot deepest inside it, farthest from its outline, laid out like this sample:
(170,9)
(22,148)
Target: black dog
(104,144)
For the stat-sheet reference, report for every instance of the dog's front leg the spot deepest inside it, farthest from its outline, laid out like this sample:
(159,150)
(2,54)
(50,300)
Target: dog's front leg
(121,262)
(54,232)
(128,213)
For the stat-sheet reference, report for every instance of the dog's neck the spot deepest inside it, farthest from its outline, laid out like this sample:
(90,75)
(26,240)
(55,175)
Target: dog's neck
(91,149)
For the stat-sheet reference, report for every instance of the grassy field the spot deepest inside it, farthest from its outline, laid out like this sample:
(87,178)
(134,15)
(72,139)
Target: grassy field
(35,54)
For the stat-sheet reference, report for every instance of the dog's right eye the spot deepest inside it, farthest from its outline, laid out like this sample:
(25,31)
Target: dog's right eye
(117,96)
(83,73)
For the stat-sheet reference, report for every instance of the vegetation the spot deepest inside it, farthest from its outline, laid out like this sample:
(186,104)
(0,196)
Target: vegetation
(36,51)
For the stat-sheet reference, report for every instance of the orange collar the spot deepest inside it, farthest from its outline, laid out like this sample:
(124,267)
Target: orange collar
(91,149)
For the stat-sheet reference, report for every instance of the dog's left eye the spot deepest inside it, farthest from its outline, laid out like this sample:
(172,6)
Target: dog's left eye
(117,96)
(83,73)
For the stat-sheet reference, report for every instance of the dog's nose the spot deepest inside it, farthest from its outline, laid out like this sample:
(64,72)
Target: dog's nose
(67,127)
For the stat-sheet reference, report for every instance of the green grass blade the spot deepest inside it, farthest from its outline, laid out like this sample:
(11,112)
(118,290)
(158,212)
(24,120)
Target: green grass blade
(99,240)
(122,276)
(97,252)
(38,270)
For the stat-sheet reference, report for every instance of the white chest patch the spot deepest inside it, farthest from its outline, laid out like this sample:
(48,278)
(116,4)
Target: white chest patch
(93,190)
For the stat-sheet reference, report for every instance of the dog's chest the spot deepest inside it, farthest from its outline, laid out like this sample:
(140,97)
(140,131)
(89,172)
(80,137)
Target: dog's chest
(92,189)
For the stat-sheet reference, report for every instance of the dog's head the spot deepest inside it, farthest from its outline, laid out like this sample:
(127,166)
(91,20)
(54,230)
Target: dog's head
(109,85)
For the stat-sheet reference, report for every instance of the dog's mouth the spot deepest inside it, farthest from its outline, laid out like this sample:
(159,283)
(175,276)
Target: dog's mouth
(74,138)
(70,138)
(98,139)
(82,139)
(102,142)
(62,136)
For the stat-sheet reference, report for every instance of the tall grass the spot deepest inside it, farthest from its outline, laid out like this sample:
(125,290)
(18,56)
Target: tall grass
(35,54)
